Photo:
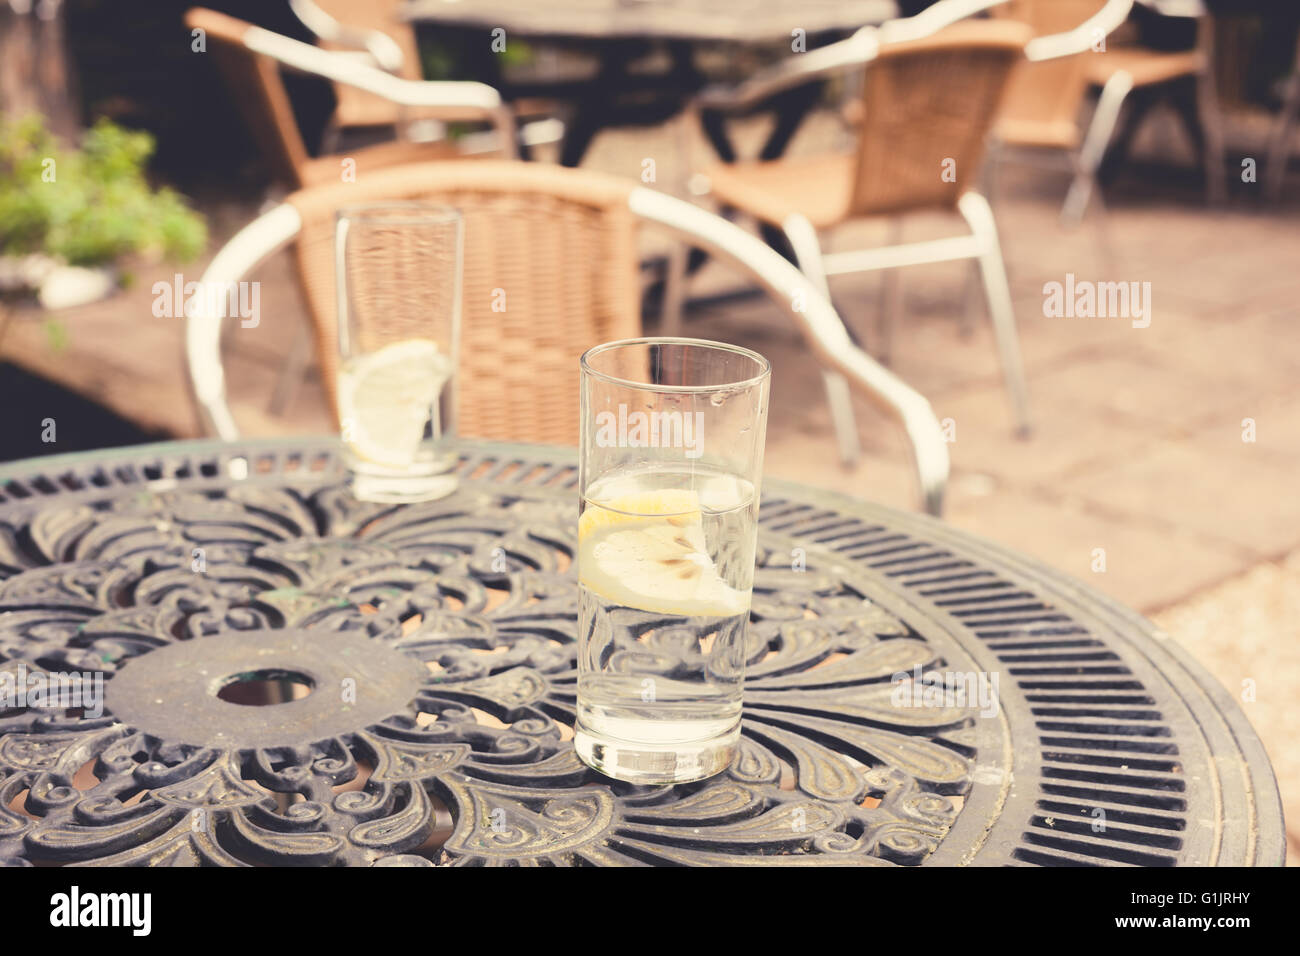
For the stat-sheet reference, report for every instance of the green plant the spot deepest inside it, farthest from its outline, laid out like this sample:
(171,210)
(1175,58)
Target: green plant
(89,205)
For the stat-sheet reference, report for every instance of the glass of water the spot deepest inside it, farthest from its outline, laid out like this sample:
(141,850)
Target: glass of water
(398,268)
(671,459)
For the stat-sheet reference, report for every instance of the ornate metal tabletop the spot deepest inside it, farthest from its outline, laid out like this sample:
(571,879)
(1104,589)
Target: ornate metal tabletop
(435,647)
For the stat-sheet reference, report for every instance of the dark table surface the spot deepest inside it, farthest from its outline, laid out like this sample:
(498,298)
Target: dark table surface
(619,32)
(438,644)
(742,20)
(749,21)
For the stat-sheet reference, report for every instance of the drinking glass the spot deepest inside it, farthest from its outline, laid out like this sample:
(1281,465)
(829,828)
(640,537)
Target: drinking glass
(398,268)
(672,436)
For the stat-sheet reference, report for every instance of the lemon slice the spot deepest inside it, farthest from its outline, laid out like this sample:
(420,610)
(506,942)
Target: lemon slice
(679,506)
(647,551)
(385,400)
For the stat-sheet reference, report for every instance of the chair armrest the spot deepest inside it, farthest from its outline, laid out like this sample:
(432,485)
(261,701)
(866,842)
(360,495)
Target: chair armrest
(934,18)
(820,324)
(249,247)
(456,99)
(856,50)
(1080,40)
(382,48)
(802,68)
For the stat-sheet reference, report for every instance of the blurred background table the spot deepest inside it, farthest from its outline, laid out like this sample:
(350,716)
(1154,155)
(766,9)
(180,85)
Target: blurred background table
(740,20)
(615,34)
(181,568)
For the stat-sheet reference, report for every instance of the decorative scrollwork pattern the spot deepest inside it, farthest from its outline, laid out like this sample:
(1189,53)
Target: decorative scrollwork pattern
(455,622)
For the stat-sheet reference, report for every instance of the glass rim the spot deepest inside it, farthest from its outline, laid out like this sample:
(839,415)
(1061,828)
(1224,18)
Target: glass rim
(429,213)
(765,367)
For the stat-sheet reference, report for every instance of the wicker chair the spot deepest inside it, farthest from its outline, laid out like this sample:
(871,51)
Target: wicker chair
(1140,68)
(928,104)
(1041,111)
(1040,116)
(562,244)
(250,59)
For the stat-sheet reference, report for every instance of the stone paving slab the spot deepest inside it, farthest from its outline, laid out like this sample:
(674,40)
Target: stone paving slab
(1238,499)
(1233,629)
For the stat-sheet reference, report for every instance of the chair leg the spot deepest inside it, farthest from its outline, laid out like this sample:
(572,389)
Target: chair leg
(970,301)
(1076,199)
(1093,149)
(679,259)
(1212,144)
(1105,234)
(1211,117)
(840,400)
(990,178)
(670,316)
(891,298)
(331,137)
(1279,150)
(979,216)
(808,256)
(292,372)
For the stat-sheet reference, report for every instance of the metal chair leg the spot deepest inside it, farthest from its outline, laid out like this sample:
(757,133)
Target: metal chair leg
(990,178)
(808,257)
(679,259)
(292,372)
(1077,198)
(1279,150)
(1215,170)
(670,315)
(1211,118)
(977,213)
(891,299)
(1093,149)
(970,301)
(1105,235)
(840,400)
(331,137)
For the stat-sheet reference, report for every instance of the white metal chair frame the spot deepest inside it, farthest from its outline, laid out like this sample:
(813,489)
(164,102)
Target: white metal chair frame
(802,299)
(458,97)
(851,54)
(1086,161)
(382,49)
(378,49)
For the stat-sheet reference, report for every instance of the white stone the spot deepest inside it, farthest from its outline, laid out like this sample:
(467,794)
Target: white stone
(69,286)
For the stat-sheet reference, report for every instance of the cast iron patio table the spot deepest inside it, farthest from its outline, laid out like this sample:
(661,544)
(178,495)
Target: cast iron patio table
(438,644)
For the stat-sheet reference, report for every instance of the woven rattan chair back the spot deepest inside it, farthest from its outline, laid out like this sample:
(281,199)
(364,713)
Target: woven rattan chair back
(357,107)
(928,105)
(255,82)
(1049,92)
(550,269)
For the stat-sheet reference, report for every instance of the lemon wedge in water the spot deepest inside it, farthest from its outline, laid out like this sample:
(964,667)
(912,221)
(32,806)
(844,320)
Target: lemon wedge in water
(647,550)
(385,399)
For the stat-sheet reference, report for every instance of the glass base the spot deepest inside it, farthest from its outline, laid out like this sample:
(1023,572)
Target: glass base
(645,763)
(404,489)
